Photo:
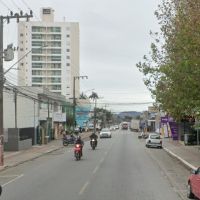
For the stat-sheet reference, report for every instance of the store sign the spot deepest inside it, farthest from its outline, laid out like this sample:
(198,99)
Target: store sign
(164,120)
(59,117)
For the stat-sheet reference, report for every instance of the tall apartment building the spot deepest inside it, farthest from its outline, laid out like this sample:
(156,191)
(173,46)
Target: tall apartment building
(52,50)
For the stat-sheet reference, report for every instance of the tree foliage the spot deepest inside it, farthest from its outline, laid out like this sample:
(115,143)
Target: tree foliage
(172,69)
(94,96)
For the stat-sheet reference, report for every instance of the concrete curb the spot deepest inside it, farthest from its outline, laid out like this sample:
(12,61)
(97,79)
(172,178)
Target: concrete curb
(29,159)
(184,162)
(85,136)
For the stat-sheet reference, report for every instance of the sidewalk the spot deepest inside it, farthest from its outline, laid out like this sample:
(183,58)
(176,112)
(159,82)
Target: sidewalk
(14,158)
(187,155)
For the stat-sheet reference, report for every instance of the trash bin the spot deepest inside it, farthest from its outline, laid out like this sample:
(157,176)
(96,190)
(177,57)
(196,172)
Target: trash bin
(46,139)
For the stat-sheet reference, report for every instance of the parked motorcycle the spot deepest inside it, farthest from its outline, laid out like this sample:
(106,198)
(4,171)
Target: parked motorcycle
(93,143)
(67,141)
(78,151)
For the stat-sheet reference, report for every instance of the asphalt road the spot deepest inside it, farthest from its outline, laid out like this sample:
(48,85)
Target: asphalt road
(120,168)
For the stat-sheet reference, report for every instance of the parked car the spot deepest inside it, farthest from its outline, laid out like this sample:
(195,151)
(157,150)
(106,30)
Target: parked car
(143,135)
(116,126)
(105,133)
(194,184)
(154,140)
(112,128)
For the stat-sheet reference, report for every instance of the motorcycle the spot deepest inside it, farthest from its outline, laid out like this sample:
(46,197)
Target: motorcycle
(93,144)
(77,151)
(67,141)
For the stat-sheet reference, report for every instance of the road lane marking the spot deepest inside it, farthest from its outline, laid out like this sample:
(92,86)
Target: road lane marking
(95,170)
(83,188)
(14,179)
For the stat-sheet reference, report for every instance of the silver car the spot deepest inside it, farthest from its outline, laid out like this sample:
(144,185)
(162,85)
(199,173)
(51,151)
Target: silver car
(105,133)
(154,140)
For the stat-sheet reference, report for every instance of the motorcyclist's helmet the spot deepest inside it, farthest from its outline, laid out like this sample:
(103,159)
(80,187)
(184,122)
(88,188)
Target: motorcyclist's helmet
(79,137)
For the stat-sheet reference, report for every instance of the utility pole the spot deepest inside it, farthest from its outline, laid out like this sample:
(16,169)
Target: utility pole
(2,19)
(95,115)
(15,100)
(74,98)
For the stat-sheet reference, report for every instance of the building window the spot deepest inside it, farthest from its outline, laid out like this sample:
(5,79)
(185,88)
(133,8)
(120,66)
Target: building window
(56,87)
(68,57)
(55,80)
(56,37)
(54,29)
(36,36)
(68,50)
(36,58)
(56,65)
(37,80)
(21,34)
(55,58)
(36,72)
(55,44)
(56,51)
(68,35)
(68,64)
(37,51)
(56,73)
(37,43)
(36,65)
(38,29)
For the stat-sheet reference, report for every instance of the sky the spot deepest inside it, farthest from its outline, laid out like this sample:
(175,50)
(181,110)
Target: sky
(114,36)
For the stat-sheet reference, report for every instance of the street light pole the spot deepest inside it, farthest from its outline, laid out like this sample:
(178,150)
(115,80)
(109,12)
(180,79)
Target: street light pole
(74,98)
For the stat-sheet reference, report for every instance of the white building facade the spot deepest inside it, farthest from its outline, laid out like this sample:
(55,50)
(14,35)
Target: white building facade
(52,50)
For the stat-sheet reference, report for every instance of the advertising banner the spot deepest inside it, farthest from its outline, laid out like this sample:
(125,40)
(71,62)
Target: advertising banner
(174,130)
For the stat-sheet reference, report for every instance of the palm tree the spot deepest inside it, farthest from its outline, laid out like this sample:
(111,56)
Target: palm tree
(83,96)
(94,96)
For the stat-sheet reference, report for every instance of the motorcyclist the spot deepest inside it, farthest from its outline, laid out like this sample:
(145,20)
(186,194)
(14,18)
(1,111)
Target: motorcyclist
(95,137)
(64,136)
(72,137)
(80,141)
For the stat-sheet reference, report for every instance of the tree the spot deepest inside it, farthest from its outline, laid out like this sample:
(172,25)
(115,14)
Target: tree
(172,70)
(94,96)
(83,96)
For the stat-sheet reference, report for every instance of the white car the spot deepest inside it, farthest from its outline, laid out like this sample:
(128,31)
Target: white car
(105,133)
(154,140)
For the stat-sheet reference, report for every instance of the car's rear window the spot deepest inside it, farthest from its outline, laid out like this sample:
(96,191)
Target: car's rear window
(155,136)
(105,129)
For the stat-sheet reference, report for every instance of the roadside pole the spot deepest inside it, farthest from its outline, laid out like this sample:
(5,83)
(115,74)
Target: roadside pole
(2,19)
(1,93)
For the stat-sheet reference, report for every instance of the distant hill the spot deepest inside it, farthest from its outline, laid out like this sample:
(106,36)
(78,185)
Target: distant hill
(129,114)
